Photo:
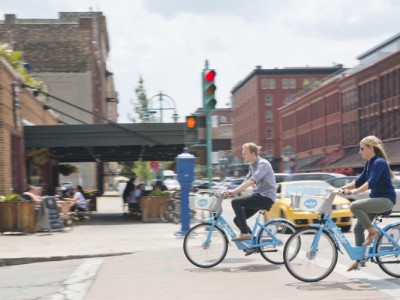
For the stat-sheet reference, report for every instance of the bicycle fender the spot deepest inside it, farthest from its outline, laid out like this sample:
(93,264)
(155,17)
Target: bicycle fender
(390,225)
(280,219)
(219,227)
(337,243)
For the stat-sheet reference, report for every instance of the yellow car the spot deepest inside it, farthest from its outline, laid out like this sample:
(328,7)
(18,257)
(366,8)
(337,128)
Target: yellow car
(341,213)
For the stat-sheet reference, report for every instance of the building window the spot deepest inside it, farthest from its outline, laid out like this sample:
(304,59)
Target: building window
(268,100)
(268,84)
(272,84)
(268,116)
(269,133)
(222,119)
(264,84)
(292,84)
(285,84)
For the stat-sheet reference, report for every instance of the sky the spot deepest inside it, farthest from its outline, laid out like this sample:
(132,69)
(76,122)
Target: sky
(166,42)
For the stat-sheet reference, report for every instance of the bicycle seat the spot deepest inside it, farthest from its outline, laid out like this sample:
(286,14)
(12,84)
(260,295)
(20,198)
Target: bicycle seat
(385,214)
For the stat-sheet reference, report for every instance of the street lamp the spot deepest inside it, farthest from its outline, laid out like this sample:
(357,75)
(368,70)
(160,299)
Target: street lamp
(165,102)
(162,99)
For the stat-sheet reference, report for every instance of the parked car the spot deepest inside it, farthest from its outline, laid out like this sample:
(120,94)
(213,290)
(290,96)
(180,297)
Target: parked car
(341,181)
(396,185)
(279,177)
(341,213)
(314,176)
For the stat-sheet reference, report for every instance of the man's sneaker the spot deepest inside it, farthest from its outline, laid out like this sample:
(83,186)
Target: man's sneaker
(242,237)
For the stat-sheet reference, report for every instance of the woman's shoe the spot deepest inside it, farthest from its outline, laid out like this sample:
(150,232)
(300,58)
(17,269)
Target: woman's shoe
(354,267)
(370,239)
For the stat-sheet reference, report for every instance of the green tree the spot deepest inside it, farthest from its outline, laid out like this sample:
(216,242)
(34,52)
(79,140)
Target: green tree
(142,170)
(140,105)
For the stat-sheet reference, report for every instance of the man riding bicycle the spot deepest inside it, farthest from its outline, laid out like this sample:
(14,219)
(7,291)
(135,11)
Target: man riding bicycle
(262,176)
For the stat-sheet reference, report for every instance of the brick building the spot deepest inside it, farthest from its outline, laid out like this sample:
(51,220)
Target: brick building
(17,107)
(257,99)
(326,125)
(69,54)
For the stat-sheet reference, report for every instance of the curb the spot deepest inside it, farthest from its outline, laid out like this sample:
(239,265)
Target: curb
(29,260)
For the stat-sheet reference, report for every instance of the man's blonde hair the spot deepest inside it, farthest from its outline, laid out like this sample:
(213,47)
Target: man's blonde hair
(253,148)
(376,143)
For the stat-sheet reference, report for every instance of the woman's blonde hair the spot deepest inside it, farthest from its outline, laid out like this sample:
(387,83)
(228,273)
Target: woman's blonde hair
(376,143)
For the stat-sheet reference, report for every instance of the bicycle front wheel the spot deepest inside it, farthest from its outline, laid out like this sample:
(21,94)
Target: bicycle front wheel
(306,265)
(203,248)
(390,264)
(282,230)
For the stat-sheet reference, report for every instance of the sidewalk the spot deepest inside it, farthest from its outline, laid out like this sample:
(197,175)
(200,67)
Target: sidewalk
(107,233)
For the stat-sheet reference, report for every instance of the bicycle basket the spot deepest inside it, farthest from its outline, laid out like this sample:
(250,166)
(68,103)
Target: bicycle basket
(203,201)
(313,203)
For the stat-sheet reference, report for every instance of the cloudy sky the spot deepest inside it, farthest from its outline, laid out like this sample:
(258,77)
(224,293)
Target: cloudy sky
(167,41)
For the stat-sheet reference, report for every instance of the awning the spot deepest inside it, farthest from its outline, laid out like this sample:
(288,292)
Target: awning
(352,159)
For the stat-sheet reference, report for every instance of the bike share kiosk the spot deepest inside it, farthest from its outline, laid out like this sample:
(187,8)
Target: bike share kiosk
(185,171)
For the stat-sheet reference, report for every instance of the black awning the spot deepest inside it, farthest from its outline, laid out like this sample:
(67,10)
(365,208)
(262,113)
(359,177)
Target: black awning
(108,142)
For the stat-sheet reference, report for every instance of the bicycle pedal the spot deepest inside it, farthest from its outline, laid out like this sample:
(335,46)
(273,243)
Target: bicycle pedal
(270,250)
(248,252)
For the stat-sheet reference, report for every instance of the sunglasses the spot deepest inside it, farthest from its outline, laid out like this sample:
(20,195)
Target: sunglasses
(362,149)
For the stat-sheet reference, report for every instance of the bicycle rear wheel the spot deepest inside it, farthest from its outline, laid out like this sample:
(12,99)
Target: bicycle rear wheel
(390,264)
(303,264)
(166,212)
(282,231)
(204,252)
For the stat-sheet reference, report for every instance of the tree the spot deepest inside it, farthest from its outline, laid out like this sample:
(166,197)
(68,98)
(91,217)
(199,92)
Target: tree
(140,106)
(142,170)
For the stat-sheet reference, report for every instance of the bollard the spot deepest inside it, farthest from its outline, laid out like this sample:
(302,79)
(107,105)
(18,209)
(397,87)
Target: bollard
(185,171)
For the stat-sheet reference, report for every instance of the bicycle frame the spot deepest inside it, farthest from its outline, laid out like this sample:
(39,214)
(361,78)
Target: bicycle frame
(221,223)
(358,253)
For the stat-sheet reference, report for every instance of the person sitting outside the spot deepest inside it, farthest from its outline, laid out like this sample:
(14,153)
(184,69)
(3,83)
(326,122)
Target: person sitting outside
(78,198)
(32,194)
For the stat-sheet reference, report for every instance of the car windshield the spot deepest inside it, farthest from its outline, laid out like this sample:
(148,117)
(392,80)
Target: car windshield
(310,189)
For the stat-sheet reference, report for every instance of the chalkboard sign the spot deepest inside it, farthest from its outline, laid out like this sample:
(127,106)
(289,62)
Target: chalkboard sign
(49,217)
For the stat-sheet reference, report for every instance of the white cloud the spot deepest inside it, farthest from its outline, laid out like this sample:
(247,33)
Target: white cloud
(167,41)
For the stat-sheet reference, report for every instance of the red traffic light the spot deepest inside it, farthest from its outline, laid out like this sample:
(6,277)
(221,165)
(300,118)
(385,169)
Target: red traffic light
(190,122)
(210,75)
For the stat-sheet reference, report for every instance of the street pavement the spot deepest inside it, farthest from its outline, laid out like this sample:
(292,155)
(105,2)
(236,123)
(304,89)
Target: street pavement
(115,257)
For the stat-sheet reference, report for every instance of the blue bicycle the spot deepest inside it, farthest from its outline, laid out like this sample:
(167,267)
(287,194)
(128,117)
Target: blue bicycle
(311,253)
(206,244)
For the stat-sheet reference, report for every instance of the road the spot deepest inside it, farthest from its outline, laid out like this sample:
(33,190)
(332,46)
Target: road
(148,263)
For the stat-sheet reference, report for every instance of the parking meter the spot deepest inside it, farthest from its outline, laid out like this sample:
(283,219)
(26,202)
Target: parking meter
(185,171)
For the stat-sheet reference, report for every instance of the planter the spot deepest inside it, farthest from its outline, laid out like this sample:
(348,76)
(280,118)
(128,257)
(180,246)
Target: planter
(17,216)
(151,207)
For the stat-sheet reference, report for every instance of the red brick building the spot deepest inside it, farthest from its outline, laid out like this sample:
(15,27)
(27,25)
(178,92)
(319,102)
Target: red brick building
(257,99)
(69,54)
(325,126)
(17,107)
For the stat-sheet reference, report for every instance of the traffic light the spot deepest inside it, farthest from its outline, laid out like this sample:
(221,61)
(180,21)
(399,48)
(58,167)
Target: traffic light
(191,134)
(209,89)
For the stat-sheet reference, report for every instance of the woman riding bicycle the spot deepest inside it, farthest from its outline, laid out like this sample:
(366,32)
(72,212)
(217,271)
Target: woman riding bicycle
(377,177)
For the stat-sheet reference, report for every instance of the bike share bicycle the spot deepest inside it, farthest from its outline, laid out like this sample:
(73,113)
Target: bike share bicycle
(171,211)
(206,244)
(311,253)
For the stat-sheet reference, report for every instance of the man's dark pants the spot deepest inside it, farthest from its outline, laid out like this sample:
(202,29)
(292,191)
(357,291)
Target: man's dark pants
(246,207)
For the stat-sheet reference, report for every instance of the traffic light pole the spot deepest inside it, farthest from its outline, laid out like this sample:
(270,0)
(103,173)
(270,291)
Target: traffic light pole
(207,113)
(209,147)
